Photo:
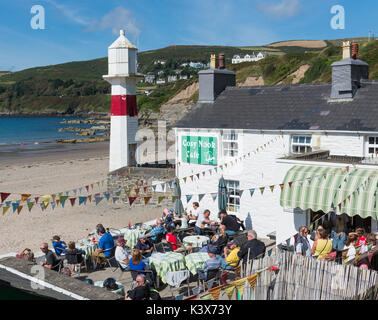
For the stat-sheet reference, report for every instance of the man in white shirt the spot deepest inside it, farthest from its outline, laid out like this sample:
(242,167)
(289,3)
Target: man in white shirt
(194,213)
(202,221)
(121,254)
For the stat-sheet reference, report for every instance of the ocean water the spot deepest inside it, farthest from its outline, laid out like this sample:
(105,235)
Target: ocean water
(19,134)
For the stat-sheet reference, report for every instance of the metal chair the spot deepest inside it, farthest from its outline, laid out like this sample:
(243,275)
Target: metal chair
(163,247)
(73,262)
(149,276)
(213,275)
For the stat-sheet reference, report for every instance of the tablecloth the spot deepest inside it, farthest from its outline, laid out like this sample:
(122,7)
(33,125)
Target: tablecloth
(196,260)
(196,241)
(164,262)
(88,246)
(131,236)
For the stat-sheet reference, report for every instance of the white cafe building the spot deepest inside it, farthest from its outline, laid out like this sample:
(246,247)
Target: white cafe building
(302,150)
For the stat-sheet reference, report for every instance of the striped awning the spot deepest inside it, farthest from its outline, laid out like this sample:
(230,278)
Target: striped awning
(343,190)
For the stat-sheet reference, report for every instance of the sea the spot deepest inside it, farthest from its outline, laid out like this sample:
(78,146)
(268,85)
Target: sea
(19,135)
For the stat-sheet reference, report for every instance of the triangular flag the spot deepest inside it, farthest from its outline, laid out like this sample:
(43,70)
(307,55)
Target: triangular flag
(262,190)
(200,197)
(251,191)
(241,193)
(24,197)
(206,297)
(252,280)
(90,198)
(198,175)
(131,200)
(42,206)
(160,199)
(225,164)
(5,209)
(271,188)
(98,200)
(53,197)
(75,191)
(239,284)
(188,197)
(229,290)
(216,169)
(30,205)
(53,204)
(87,187)
(46,200)
(281,186)
(191,177)
(146,200)
(82,200)
(15,206)
(184,179)
(72,200)
(107,195)
(8,203)
(57,202)
(19,209)
(214,195)
(92,186)
(215,292)
(4,195)
(290,183)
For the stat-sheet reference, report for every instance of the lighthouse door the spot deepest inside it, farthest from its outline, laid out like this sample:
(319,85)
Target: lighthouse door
(132,155)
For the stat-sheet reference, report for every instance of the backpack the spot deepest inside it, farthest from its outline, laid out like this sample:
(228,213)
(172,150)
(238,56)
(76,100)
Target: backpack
(238,221)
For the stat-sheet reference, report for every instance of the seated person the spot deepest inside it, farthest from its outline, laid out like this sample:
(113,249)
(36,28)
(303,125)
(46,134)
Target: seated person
(194,213)
(231,254)
(219,240)
(52,262)
(137,264)
(141,291)
(105,245)
(349,252)
(202,220)
(145,246)
(58,245)
(26,254)
(252,248)
(158,230)
(361,237)
(121,254)
(230,222)
(94,233)
(184,221)
(169,217)
(212,263)
(73,255)
(171,238)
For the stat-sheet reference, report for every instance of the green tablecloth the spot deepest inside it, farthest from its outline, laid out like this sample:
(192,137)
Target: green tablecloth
(131,236)
(165,262)
(196,260)
(88,247)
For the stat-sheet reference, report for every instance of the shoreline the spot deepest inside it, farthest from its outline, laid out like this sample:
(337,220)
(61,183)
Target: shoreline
(51,114)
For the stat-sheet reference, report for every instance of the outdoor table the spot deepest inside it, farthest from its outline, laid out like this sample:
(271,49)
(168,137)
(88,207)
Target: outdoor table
(195,241)
(196,260)
(164,262)
(120,289)
(131,236)
(88,246)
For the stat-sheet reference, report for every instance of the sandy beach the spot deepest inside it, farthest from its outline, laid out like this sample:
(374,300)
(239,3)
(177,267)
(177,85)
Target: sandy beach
(66,169)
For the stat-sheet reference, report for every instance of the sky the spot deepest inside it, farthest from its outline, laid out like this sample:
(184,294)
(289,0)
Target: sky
(77,30)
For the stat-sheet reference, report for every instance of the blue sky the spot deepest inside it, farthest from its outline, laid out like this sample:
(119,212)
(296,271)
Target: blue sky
(83,29)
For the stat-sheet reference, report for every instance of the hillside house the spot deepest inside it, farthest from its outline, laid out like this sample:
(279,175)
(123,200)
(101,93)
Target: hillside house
(150,78)
(287,153)
(248,58)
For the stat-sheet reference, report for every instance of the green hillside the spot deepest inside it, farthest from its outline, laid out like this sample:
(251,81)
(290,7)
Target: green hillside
(78,86)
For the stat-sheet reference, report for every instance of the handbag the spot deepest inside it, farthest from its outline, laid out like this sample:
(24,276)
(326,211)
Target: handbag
(332,256)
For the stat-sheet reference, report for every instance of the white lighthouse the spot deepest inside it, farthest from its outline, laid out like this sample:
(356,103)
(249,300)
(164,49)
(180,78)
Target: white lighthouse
(122,63)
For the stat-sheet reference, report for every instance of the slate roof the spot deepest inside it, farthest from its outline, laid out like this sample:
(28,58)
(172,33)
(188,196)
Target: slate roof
(287,107)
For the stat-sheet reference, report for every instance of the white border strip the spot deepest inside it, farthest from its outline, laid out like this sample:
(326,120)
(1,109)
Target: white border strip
(43,283)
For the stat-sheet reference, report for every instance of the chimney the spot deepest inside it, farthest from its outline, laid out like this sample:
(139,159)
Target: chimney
(213,61)
(213,81)
(348,73)
(222,62)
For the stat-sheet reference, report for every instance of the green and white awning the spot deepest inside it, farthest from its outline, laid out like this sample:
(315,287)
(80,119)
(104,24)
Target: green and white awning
(343,190)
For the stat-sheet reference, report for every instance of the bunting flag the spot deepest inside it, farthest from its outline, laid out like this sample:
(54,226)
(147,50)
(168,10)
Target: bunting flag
(42,206)
(191,177)
(214,195)
(241,193)
(30,205)
(174,198)
(185,179)
(160,199)
(131,200)
(290,183)
(75,191)
(53,196)
(239,284)
(147,199)
(8,203)
(63,200)
(252,280)
(206,297)
(281,186)
(107,195)
(57,202)
(72,200)
(262,190)
(251,191)
(46,200)
(229,290)
(82,200)
(188,197)
(3,196)
(271,188)
(198,175)
(25,196)
(53,204)
(216,170)
(90,198)
(5,209)
(19,209)
(98,200)
(200,197)
(215,293)
(14,206)
(92,186)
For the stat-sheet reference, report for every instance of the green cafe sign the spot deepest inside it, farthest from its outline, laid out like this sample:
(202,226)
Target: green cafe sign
(200,150)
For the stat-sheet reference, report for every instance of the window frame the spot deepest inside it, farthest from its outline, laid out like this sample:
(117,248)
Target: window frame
(374,145)
(306,145)
(234,186)
(231,139)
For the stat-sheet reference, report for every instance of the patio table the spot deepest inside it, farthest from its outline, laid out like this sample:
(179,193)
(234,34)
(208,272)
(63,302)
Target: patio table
(164,262)
(131,236)
(196,260)
(88,246)
(196,241)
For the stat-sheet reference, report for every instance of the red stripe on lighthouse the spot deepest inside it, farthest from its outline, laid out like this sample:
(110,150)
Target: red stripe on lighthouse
(124,105)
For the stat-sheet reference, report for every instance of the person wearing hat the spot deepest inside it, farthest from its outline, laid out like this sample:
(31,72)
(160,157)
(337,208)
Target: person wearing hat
(156,232)
(212,263)
(231,253)
(144,245)
(121,254)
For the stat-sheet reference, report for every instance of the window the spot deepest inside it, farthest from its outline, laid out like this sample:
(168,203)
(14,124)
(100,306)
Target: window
(233,198)
(230,144)
(301,144)
(372,145)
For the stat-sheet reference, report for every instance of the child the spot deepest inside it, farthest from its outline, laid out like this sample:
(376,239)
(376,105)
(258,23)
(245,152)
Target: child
(350,245)
(361,237)
(184,221)
(59,246)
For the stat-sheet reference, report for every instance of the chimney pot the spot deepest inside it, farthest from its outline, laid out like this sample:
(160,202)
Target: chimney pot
(355,50)
(222,63)
(347,50)
(213,61)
